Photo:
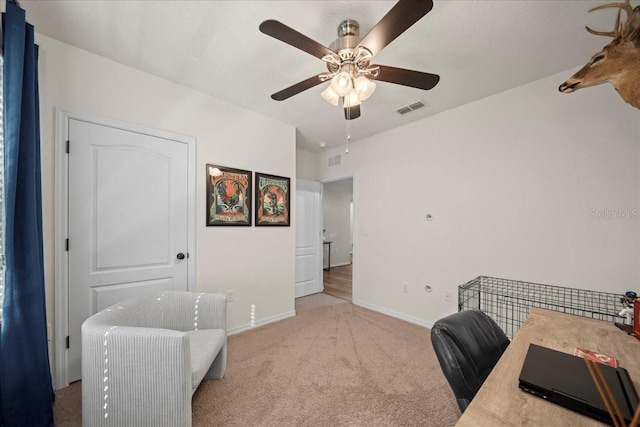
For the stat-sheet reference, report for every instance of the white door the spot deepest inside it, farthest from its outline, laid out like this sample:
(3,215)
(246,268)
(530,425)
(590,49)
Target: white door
(308,243)
(128,221)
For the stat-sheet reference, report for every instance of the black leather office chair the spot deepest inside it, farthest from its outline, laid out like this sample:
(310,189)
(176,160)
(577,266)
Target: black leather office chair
(468,345)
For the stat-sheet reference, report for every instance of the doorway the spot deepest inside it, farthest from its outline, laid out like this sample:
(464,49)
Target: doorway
(337,232)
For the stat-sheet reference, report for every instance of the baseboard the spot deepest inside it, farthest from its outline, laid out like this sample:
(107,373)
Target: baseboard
(261,322)
(395,314)
(372,307)
(340,264)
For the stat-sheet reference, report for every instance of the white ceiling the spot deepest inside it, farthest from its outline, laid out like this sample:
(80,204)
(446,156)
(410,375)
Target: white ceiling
(478,47)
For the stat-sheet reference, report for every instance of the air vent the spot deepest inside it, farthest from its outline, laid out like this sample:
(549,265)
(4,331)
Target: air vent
(335,161)
(411,107)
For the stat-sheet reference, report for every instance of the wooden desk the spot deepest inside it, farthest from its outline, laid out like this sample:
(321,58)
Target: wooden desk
(501,403)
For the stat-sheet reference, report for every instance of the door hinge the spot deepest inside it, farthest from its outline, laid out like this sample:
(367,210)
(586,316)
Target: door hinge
(68,341)
(67,147)
(66,245)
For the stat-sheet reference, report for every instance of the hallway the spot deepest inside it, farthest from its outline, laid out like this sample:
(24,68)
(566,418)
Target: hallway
(338,282)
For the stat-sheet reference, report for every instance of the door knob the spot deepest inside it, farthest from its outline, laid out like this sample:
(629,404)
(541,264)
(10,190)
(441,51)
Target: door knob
(180,256)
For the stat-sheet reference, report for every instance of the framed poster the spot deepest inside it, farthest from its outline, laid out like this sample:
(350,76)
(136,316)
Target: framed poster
(272,195)
(228,196)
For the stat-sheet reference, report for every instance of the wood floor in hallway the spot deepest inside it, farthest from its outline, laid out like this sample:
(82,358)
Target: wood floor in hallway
(338,281)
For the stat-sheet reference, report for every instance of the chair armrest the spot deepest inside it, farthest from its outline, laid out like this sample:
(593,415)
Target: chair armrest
(135,376)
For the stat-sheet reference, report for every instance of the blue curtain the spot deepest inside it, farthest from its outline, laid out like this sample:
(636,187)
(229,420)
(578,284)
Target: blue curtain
(26,392)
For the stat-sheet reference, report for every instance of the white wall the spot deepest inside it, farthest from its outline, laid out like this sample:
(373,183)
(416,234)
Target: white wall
(513,182)
(306,165)
(336,216)
(256,262)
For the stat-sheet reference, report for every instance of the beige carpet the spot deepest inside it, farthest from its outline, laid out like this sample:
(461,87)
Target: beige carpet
(334,364)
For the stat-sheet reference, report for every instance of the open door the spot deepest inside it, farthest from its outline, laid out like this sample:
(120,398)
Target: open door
(308,242)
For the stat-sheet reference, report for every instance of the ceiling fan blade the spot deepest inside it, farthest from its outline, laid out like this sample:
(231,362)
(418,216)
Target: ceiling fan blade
(278,30)
(403,15)
(402,76)
(296,88)
(354,114)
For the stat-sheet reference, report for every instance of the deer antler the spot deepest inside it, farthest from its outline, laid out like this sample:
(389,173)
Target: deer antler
(626,6)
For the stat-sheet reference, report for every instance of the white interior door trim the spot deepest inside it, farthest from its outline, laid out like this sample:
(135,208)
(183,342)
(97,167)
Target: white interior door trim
(61,226)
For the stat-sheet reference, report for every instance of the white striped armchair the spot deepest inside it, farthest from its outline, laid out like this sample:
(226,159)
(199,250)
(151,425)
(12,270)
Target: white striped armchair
(143,358)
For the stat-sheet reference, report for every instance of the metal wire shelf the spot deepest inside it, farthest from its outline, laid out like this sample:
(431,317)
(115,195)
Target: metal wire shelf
(508,302)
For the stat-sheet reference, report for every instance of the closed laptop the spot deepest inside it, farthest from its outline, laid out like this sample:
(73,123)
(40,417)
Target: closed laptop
(564,379)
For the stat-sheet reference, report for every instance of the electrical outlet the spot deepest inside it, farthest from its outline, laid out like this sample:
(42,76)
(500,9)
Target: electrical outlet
(405,287)
(447,296)
(230,296)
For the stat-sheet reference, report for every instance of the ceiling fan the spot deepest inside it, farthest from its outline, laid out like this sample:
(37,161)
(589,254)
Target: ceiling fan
(349,57)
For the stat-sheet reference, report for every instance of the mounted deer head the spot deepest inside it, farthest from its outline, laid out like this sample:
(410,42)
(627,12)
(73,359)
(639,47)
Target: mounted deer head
(618,62)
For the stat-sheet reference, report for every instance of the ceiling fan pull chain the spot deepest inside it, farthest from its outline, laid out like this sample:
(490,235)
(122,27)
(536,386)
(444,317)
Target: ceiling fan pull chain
(346,151)
(348,136)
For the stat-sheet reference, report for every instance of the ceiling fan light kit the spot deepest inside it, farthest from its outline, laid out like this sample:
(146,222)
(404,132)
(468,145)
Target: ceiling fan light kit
(352,99)
(364,87)
(348,58)
(342,83)
(330,96)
